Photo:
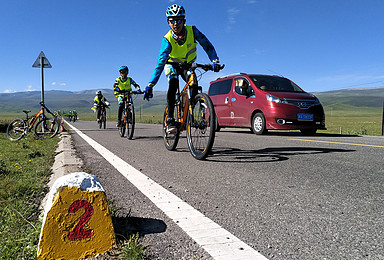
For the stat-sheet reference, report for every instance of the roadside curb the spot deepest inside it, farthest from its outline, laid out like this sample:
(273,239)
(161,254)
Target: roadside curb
(66,161)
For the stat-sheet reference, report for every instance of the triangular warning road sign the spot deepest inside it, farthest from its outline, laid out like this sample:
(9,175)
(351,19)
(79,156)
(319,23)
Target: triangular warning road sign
(46,63)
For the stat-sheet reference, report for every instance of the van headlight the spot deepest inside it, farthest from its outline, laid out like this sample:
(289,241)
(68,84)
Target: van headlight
(273,99)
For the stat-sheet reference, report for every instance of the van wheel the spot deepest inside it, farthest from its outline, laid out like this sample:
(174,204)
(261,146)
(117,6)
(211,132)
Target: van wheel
(308,131)
(258,124)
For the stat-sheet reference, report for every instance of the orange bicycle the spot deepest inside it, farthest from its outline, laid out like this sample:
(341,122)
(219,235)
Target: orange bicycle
(197,116)
(46,126)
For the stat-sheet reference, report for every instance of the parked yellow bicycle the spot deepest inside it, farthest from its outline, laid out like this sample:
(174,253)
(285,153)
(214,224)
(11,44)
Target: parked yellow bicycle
(45,126)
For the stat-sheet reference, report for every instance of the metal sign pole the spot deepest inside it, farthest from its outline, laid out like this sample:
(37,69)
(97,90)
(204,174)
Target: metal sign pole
(42,78)
(42,62)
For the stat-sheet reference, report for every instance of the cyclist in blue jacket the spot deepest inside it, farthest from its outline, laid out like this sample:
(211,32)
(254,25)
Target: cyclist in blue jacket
(178,45)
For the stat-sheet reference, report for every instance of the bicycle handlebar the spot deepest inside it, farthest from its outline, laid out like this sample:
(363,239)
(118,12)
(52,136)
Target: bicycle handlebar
(130,91)
(187,66)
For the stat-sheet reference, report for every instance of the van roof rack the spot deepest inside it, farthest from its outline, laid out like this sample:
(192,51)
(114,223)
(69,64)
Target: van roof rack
(234,74)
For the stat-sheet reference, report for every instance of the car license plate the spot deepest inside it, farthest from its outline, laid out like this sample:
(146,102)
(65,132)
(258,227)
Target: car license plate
(305,117)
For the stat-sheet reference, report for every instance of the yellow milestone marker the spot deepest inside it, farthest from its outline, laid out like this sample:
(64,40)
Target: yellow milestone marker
(77,222)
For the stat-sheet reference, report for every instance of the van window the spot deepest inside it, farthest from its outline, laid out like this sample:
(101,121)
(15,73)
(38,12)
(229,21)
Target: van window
(220,87)
(269,83)
(242,86)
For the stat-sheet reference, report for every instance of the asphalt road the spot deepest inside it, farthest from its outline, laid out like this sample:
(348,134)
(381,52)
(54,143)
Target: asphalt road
(286,195)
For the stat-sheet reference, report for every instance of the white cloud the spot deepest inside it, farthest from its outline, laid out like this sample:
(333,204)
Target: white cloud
(232,13)
(30,88)
(59,84)
(9,91)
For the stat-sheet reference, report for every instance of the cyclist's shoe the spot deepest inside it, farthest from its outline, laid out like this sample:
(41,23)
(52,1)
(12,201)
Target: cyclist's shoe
(119,124)
(171,121)
(171,125)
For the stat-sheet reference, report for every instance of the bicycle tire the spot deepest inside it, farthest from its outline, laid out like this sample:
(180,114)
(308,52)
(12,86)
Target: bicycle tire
(123,125)
(100,122)
(130,122)
(46,128)
(105,119)
(15,129)
(201,127)
(170,139)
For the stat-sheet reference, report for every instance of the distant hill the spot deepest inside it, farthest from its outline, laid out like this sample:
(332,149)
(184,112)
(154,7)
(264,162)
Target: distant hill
(82,101)
(358,97)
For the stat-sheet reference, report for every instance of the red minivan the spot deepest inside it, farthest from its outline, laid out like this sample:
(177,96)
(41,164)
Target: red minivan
(264,102)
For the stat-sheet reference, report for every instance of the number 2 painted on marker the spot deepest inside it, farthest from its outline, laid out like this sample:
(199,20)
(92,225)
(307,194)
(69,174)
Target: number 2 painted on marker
(79,232)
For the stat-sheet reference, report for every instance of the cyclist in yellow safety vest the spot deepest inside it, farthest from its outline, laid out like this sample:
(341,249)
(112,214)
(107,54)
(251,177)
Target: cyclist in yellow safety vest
(122,83)
(98,101)
(179,45)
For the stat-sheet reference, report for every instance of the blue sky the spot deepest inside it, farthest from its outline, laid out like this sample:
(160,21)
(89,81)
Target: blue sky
(320,45)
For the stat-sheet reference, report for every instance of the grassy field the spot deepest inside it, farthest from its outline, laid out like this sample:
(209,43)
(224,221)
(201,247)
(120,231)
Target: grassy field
(24,171)
(353,120)
(348,120)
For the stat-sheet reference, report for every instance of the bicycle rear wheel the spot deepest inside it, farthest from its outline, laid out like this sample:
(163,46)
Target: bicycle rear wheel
(171,139)
(201,127)
(130,122)
(15,130)
(46,128)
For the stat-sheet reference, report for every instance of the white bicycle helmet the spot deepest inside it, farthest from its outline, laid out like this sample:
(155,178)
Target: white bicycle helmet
(175,10)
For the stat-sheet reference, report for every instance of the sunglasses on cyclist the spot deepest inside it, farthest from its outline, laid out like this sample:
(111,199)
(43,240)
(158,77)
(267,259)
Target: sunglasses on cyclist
(178,21)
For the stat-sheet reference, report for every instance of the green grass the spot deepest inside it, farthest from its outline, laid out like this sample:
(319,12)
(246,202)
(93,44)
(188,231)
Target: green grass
(351,120)
(132,249)
(25,167)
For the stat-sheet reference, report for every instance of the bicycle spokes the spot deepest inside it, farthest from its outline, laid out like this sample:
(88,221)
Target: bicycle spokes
(200,127)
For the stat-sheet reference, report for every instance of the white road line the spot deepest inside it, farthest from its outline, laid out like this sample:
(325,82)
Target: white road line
(217,241)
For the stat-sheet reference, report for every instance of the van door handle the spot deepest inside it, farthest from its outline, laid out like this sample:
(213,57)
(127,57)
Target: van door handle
(226,100)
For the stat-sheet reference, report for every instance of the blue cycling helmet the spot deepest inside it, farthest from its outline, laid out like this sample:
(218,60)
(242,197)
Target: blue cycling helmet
(122,68)
(175,10)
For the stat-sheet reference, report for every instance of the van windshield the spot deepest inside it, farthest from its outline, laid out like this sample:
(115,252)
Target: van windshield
(273,83)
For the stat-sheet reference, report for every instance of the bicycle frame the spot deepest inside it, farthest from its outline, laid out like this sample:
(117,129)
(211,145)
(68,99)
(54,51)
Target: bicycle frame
(183,119)
(41,113)
(30,121)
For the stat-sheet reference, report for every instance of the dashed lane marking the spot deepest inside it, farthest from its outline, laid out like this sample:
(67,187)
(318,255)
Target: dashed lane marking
(217,241)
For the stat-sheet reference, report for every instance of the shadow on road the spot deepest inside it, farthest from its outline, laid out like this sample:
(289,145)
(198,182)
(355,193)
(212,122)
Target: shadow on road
(126,226)
(267,154)
(283,133)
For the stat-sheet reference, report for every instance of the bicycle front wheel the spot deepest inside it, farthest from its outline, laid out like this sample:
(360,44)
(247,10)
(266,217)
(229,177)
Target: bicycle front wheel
(130,122)
(100,121)
(46,128)
(171,138)
(15,130)
(201,127)
(104,119)
(123,124)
